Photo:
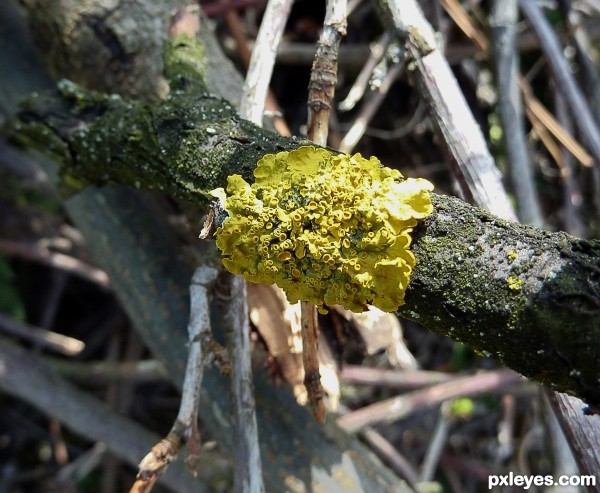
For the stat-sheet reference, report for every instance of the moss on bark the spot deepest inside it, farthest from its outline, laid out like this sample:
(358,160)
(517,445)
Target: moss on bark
(524,296)
(545,326)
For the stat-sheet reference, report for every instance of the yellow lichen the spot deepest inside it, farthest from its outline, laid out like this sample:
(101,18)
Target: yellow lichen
(327,228)
(514,283)
(512,256)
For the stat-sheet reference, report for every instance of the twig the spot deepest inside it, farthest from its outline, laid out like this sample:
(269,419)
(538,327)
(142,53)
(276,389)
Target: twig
(581,431)
(566,83)
(413,379)
(263,56)
(310,360)
(68,346)
(185,428)
(57,260)
(78,469)
(506,427)
(377,51)
(585,54)
(401,131)
(370,107)
(572,194)
(436,445)
(262,60)
(101,372)
(565,463)
(461,18)
(35,383)
(399,407)
(536,111)
(323,78)
(231,296)
(503,22)
(464,143)
(388,453)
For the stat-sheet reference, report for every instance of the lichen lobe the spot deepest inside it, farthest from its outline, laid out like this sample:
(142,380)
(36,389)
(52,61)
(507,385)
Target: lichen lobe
(327,228)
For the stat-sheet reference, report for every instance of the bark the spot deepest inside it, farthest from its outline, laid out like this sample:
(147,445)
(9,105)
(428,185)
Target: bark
(526,297)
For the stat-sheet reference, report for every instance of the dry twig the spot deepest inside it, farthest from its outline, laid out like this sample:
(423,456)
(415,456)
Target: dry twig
(399,407)
(503,21)
(232,299)
(370,107)
(41,337)
(567,84)
(376,53)
(185,428)
(57,260)
(323,79)
(262,60)
(464,143)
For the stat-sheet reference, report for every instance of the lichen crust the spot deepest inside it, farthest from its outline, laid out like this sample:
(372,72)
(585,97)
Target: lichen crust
(327,228)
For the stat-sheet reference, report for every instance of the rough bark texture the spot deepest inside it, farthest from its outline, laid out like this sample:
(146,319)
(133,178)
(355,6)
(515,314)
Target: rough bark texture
(176,146)
(527,297)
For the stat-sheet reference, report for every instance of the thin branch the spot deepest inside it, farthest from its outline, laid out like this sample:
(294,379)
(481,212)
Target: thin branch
(585,54)
(460,16)
(388,453)
(185,428)
(68,346)
(564,460)
(436,445)
(34,382)
(536,111)
(262,60)
(231,297)
(396,408)
(356,92)
(460,134)
(503,21)
(506,428)
(263,56)
(103,372)
(581,431)
(370,107)
(310,360)
(566,82)
(53,259)
(323,77)
(572,193)
(396,379)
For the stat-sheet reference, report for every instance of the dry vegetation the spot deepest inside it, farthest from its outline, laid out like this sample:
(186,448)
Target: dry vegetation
(463,417)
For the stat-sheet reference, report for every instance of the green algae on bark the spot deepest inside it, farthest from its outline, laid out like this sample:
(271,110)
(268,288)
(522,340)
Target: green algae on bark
(467,260)
(548,329)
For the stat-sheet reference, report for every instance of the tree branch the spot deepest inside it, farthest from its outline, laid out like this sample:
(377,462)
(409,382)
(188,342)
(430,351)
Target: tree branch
(524,296)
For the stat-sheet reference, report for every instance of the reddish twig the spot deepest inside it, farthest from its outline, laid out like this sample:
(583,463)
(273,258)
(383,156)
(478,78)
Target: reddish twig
(399,407)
